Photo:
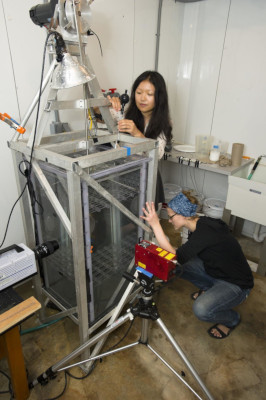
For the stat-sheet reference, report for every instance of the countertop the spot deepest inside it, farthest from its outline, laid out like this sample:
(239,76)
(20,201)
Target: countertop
(190,159)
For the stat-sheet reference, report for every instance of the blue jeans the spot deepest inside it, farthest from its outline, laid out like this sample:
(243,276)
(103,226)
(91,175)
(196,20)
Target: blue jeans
(216,303)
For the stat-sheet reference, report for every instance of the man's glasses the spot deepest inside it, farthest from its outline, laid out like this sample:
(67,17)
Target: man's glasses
(172,216)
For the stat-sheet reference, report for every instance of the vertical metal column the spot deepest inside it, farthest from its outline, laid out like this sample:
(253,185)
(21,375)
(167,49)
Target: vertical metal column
(152,174)
(152,180)
(87,238)
(75,207)
(142,193)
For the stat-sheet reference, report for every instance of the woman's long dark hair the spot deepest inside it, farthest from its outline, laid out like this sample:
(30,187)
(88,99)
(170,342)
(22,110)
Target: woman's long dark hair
(160,119)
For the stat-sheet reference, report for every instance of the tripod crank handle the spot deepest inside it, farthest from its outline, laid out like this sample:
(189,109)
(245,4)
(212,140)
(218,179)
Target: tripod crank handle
(129,277)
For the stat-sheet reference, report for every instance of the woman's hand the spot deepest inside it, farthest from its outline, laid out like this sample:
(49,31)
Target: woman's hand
(128,126)
(115,102)
(150,215)
(152,218)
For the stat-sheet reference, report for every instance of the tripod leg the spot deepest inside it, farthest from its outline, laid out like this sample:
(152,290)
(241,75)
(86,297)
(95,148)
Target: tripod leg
(184,358)
(172,369)
(114,316)
(50,372)
(108,353)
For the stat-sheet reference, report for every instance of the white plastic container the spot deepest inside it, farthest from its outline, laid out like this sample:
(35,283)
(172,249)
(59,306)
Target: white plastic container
(170,191)
(213,208)
(215,153)
(203,146)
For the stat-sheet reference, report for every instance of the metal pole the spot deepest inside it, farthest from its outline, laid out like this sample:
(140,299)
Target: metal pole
(36,98)
(158,34)
(184,358)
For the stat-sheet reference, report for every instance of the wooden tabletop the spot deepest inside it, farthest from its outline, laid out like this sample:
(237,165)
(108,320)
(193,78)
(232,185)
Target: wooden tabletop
(18,313)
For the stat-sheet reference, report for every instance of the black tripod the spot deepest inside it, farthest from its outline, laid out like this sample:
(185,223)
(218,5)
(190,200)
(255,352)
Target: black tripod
(145,309)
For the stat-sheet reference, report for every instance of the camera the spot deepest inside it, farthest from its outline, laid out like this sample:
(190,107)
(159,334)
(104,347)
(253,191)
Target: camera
(42,13)
(155,260)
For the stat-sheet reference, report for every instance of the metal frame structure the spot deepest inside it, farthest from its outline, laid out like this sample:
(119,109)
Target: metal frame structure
(77,172)
(55,150)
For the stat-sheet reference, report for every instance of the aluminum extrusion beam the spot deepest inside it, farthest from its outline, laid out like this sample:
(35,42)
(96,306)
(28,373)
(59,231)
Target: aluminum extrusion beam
(52,197)
(36,97)
(79,104)
(43,121)
(111,199)
(76,218)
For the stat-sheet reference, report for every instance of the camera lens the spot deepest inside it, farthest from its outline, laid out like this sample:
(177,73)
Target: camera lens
(46,249)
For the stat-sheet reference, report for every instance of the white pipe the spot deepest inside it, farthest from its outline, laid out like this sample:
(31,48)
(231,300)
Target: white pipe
(256,235)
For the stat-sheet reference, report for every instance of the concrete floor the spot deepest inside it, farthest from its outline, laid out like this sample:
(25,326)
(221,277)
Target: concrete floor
(233,368)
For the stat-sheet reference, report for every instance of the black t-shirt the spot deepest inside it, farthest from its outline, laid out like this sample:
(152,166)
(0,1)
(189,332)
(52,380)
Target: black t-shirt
(220,252)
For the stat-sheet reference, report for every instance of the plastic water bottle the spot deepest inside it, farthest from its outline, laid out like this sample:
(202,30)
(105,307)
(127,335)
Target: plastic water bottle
(215,153)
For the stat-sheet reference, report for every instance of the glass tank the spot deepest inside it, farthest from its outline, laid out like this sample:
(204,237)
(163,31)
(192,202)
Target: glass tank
(109,235)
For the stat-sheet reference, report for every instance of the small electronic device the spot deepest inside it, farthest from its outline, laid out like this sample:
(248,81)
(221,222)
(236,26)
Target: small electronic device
(17,262)
(155,260)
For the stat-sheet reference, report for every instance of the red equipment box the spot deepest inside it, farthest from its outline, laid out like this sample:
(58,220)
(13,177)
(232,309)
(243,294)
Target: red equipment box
(155,260)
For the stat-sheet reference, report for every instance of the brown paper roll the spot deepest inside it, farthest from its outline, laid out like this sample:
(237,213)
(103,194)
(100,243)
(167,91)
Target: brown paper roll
(237,154)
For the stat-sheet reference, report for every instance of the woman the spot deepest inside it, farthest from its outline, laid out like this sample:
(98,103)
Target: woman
(211,259)
(148,115)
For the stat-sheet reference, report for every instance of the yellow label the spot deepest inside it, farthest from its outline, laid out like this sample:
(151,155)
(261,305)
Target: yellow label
(170,256)
(162,254)
(158,249)
(141,265)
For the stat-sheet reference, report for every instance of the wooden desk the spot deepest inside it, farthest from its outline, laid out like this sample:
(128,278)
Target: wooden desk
(10,344)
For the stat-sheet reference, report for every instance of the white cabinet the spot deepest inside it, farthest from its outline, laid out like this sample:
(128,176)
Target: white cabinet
(247,198)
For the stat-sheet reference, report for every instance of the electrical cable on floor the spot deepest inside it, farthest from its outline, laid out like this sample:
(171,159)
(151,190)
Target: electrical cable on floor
(63,391)
(10,390)
(110,349)
(67,373)
(125,335)
(84,376)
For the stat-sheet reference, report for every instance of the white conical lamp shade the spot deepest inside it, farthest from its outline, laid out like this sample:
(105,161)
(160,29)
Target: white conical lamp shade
(69,73)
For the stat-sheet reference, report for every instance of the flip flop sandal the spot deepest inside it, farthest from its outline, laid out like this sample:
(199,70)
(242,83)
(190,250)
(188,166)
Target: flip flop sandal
(223,335)
(198,292)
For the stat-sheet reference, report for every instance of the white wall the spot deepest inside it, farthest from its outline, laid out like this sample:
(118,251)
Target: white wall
(127,31)
(221,80)
(212,55)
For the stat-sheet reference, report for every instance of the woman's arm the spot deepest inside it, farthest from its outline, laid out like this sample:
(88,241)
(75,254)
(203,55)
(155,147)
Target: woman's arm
(162,143)
(152,218)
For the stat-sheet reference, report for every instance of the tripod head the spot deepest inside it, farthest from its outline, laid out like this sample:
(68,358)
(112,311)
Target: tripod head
(144,279)
(145,307)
